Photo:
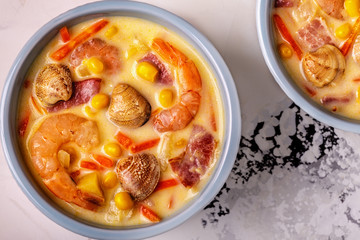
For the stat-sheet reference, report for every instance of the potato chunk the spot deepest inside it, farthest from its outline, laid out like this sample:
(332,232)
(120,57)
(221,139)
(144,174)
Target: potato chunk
(89,184)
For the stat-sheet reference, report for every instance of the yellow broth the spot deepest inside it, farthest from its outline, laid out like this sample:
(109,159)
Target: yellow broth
(138,33)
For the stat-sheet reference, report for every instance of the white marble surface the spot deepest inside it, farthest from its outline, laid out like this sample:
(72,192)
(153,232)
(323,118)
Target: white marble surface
(277,190)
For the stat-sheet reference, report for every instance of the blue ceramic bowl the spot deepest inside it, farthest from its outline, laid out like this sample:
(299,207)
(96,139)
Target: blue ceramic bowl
(266,38)
(10,97)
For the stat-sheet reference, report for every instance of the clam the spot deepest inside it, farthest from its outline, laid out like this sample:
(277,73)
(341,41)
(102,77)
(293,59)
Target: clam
(138,174)
(324,65)
(53,84)
(128,107)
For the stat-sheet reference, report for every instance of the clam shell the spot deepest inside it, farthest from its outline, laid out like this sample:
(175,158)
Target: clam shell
(53,84)
(138,174)
(128,107)
(324,65)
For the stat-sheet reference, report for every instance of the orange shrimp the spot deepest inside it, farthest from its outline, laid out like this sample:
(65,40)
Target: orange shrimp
(44,146)
(189,87)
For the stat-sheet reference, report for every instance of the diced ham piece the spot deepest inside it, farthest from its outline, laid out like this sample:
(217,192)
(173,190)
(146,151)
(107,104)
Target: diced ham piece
(96,47)
(284,3)
(332,7)
(194,162)
(82,92)
(314,35)
(164,76)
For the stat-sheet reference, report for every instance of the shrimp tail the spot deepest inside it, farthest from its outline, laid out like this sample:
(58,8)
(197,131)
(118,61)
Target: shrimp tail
(64,188)
(168,52)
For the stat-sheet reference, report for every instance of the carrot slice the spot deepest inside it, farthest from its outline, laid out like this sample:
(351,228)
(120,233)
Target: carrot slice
(166,184)
(134,148)
(149,214)
(64,33)
(345,48)
(171,202)
(124,140)
(63,51)
(89,165)
(286,35)
(23,124)
(106,162)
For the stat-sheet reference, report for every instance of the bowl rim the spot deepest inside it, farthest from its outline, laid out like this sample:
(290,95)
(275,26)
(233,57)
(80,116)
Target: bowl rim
(264,28)
(230,100)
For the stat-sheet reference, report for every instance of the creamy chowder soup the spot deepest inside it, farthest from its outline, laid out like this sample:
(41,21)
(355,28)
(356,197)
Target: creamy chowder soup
(120,120)
(319,43)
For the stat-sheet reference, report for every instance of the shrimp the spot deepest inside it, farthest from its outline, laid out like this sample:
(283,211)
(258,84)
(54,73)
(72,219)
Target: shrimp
(189,87)
(44,146)
(356,50)
(96,47)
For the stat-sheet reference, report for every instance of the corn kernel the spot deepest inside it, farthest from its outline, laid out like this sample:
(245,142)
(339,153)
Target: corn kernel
(147,71)
(100,101)
(109,180)
(181,143)
(285,50)
(64,158)
(94,65)
(166,98)
(89,112)
(352,7)
(343,31)
(358,95)
(111,32)
(123,201)
(131,52)
(113,150)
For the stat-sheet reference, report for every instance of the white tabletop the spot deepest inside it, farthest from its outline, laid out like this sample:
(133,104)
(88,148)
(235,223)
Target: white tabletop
(277,189)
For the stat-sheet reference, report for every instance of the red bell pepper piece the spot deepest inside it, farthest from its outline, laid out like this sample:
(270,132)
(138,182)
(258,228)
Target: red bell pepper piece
(104,161)
(284,32)
(63,51)
(166,184)
(64,33)
(134,148)
(89,165)
(124,140)
(149,214)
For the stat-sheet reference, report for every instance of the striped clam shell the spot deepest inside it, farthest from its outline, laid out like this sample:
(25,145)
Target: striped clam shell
(138,174)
